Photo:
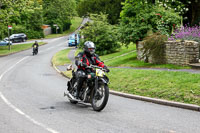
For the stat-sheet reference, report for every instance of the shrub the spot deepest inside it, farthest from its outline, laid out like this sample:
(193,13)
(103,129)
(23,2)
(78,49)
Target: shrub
(186,33)
(154,46)
(99,31)
(31,34)
(18,29)
(137,18)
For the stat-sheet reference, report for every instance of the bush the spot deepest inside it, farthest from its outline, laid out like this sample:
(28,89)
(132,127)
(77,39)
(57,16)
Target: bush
(101,33)
(154,46)
(186,33)
(18,29)
(31,34)
(138,18)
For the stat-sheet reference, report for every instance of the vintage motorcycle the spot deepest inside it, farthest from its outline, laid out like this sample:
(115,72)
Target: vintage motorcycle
(94,90)
(35,50)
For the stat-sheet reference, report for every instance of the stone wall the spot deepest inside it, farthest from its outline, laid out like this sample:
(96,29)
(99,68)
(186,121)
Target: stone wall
(182,53)
(178,53)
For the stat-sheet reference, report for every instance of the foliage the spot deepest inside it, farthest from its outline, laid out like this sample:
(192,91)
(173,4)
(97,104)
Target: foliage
(154,46)
(137,18)
(34,34)
(59,12)
(29,15)
(109,7)
(186,33)
(101,33)
(9,12)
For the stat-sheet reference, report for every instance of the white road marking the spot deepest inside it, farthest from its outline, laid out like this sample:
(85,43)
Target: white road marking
(17,109)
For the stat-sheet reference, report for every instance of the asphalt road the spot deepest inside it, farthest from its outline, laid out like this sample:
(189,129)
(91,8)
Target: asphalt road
(31,101)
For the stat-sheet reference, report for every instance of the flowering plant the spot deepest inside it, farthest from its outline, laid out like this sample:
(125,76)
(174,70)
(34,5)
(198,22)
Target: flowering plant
(186,33)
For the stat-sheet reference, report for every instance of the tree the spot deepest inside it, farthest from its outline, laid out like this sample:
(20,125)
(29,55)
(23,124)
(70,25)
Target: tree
(140,17)
(110,7)
(8,11)
(59,12)
(101,33)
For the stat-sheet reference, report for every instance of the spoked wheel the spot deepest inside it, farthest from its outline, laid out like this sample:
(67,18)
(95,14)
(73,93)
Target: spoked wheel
(100,97)
(72,91)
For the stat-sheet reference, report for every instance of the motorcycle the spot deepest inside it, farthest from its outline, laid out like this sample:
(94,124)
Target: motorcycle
(35,50)
(94,90)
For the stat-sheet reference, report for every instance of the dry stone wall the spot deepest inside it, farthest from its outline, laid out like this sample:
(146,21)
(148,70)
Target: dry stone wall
(176,52)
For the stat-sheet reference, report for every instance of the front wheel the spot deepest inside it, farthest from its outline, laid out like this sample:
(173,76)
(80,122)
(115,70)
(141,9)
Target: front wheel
(100,97)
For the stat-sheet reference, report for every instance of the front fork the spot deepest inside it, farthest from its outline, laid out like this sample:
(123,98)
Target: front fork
(96,84)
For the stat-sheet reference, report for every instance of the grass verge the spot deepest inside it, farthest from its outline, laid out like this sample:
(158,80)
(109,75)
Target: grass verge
(76,22)
(61,58)
(130,60)
(16,48)
(175,86)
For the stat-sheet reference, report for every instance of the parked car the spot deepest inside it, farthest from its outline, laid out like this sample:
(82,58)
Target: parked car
(21,37)
(71,40)
(5,42)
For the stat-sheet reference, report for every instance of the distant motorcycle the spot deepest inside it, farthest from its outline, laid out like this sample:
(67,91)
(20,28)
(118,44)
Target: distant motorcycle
(35,50)
(94,90)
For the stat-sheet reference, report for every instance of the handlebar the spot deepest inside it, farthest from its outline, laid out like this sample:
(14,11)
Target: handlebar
(94,66)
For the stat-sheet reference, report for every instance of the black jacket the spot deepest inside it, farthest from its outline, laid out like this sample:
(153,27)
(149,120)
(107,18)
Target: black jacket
(83,60)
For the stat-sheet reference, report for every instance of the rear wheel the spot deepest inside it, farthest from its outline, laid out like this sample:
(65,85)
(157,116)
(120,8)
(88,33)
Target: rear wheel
(100,97)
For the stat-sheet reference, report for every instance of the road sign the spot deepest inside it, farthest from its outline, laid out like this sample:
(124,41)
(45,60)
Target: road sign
(9,27)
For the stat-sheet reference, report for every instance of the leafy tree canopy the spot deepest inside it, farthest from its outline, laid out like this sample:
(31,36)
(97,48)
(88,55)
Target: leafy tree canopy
(140,17)
(99,31)
(110,7)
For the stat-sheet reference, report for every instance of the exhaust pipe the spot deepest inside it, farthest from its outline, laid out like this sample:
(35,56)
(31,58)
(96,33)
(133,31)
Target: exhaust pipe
(70,96)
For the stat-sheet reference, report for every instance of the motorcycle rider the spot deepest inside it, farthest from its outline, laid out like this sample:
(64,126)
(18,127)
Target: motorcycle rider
(36,45)
(86,58)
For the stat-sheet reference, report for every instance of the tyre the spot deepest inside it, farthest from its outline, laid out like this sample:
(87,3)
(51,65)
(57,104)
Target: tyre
(100,97)
(73,102)
(72,90)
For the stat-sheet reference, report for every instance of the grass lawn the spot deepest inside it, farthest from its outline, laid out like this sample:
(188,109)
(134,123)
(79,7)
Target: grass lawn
(130,60)
(16,48)
(176,86)
(61,57)
(76,22)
